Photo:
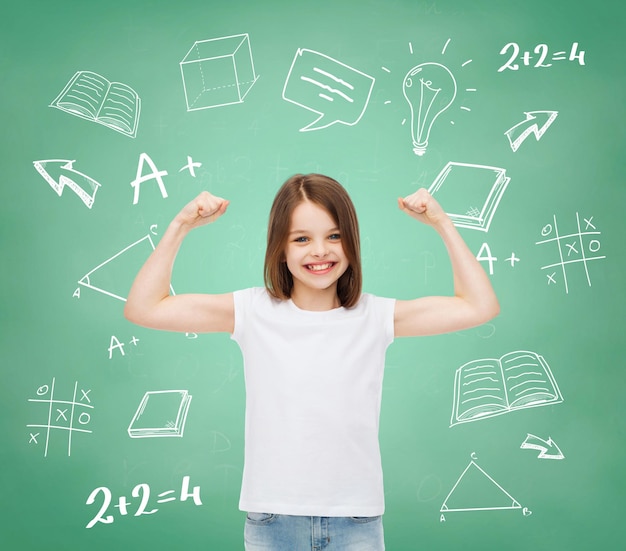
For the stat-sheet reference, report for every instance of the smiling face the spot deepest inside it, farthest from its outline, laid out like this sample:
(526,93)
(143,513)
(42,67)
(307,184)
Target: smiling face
(320,200)
(315,257)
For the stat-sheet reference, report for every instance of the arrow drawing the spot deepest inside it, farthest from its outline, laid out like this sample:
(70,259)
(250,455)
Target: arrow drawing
(548,448)
(60,173)
(536,122)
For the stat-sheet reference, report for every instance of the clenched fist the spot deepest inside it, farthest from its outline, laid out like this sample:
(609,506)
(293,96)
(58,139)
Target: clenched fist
(204,209)
(423,207)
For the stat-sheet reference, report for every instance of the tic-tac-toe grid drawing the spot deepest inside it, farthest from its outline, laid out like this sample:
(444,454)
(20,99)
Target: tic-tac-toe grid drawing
(572,251)
(59,418)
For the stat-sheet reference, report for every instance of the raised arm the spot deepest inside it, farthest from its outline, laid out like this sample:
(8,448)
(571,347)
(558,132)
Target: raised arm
(149,302)
(474,301)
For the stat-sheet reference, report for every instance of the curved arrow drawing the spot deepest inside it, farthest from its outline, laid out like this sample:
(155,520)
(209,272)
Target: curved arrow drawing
(536,122)
(60,173)
(548,448)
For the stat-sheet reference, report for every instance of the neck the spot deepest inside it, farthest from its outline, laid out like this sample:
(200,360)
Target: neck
(316,300)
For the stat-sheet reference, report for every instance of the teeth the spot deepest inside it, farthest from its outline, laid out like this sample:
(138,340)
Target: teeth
(319,267)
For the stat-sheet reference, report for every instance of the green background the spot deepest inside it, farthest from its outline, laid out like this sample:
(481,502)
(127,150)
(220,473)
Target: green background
(246,151)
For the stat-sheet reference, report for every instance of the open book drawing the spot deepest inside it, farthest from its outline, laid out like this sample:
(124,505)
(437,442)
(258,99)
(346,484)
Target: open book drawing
(470,194)
(91,96)
(491,386)
(160,413)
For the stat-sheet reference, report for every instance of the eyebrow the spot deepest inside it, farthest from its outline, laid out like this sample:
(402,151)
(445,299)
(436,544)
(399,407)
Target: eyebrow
(332,230)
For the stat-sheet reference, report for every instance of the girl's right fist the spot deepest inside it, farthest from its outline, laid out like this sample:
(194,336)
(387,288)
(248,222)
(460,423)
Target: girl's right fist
(204,209)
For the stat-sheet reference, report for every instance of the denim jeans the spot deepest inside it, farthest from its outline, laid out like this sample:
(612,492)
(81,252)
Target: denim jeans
(268,532)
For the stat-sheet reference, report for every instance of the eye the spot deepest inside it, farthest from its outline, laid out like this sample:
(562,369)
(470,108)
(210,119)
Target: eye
(301,239)
(334,237)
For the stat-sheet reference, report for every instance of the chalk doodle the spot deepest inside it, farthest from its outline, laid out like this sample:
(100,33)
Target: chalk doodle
(548,449)
(60,173)
(494,386)
(218,72)
(573,249)
(475,490)
(430,90)
(60,416)
(90,96)
(536,122)
(485,255)
(160,413)
(469,193)
(541,53)
(190,166)
(220,443)
(115,344)
(142,175)
(336,92)
(113,277)
(142,492)
(154,174)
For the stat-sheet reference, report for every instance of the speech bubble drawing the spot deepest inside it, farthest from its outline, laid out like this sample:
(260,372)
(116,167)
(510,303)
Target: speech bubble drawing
(337,92)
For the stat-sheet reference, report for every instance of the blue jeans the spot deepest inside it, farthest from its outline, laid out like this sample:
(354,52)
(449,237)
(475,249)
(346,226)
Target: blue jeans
(268,532)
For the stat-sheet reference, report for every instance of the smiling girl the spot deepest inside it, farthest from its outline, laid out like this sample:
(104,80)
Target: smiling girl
(313,347)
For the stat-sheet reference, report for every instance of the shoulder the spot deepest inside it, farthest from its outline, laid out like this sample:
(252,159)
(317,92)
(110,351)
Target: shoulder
(382,308)
(254,299)
(251,294)
(371,301)
(378,315)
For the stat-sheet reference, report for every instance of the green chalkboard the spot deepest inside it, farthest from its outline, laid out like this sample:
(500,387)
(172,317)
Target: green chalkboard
(116,114)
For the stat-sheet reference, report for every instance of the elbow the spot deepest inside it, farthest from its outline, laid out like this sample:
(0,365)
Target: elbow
(141,314)
(495,306)
(131,313)
(495,311)
(128,312)
(490,310)
(484,311)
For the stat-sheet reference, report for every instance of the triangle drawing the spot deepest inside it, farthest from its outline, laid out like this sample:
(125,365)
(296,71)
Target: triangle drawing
(114,276)
(475,490)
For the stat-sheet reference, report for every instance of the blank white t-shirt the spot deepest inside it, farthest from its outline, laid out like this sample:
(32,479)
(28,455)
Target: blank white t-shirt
(313,391)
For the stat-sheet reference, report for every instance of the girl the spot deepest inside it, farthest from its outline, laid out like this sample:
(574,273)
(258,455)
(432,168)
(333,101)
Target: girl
(313,349)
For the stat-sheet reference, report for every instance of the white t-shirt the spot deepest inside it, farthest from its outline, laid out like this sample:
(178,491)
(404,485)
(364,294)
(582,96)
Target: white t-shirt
(313,391)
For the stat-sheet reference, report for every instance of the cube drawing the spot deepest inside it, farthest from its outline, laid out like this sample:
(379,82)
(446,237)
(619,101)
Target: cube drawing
(218,71)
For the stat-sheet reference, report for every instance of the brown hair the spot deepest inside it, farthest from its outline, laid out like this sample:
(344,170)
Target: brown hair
(334,199)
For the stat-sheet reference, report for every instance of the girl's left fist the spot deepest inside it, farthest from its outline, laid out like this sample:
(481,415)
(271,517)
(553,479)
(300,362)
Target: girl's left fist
(423,207)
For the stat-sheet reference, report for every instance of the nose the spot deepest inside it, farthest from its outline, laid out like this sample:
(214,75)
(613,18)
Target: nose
(320,249)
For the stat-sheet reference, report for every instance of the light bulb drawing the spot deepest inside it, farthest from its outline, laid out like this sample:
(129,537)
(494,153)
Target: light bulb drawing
(429,88)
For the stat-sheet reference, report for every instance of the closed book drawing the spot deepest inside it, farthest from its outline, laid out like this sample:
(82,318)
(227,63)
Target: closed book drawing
(160,413)
(470,194)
